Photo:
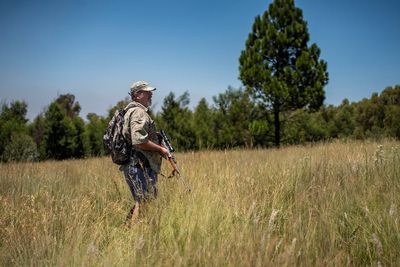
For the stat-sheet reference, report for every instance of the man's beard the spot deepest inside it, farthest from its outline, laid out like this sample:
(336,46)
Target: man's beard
(149,102)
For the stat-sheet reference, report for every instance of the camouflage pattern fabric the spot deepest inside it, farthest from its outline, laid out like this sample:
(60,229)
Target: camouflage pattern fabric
(142,181)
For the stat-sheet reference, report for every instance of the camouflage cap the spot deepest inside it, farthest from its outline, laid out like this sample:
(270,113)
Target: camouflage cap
(141,86)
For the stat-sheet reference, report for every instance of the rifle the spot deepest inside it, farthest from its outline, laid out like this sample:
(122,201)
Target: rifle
(172,159)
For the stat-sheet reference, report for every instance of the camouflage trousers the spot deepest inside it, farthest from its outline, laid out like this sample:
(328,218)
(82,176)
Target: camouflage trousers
(142,181)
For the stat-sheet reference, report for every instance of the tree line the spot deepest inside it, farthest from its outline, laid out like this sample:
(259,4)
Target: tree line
(233,119)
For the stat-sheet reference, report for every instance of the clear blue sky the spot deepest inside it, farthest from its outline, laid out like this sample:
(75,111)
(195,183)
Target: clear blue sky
(96,49)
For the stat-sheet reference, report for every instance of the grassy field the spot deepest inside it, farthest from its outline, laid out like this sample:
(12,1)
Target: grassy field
(328,204)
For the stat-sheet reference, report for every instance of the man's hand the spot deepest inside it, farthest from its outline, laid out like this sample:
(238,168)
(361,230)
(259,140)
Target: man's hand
(164,153)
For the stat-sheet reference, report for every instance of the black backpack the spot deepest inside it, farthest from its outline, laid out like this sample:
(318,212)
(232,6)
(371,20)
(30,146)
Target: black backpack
(114,141)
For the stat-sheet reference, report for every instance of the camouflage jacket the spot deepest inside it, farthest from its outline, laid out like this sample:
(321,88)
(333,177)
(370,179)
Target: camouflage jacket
(139,127)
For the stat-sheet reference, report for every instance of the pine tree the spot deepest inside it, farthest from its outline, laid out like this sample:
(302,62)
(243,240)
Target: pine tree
(64,135)
(175,118)
(95,129)
(15,143)
(203,125)
(278,66)
(233,117)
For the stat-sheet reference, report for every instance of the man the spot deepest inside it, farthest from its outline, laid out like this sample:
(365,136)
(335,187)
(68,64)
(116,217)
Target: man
(144,165)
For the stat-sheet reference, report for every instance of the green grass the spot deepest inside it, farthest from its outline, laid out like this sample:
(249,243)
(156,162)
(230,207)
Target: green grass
(328,204)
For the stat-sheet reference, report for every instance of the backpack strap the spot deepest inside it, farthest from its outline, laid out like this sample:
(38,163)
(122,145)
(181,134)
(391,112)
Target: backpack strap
(127,119)
(129,109)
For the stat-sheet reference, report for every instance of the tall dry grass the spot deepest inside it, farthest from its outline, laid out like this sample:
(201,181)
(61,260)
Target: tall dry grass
(330,204)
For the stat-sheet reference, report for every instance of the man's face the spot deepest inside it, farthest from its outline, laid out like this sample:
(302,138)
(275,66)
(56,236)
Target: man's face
(144,98)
